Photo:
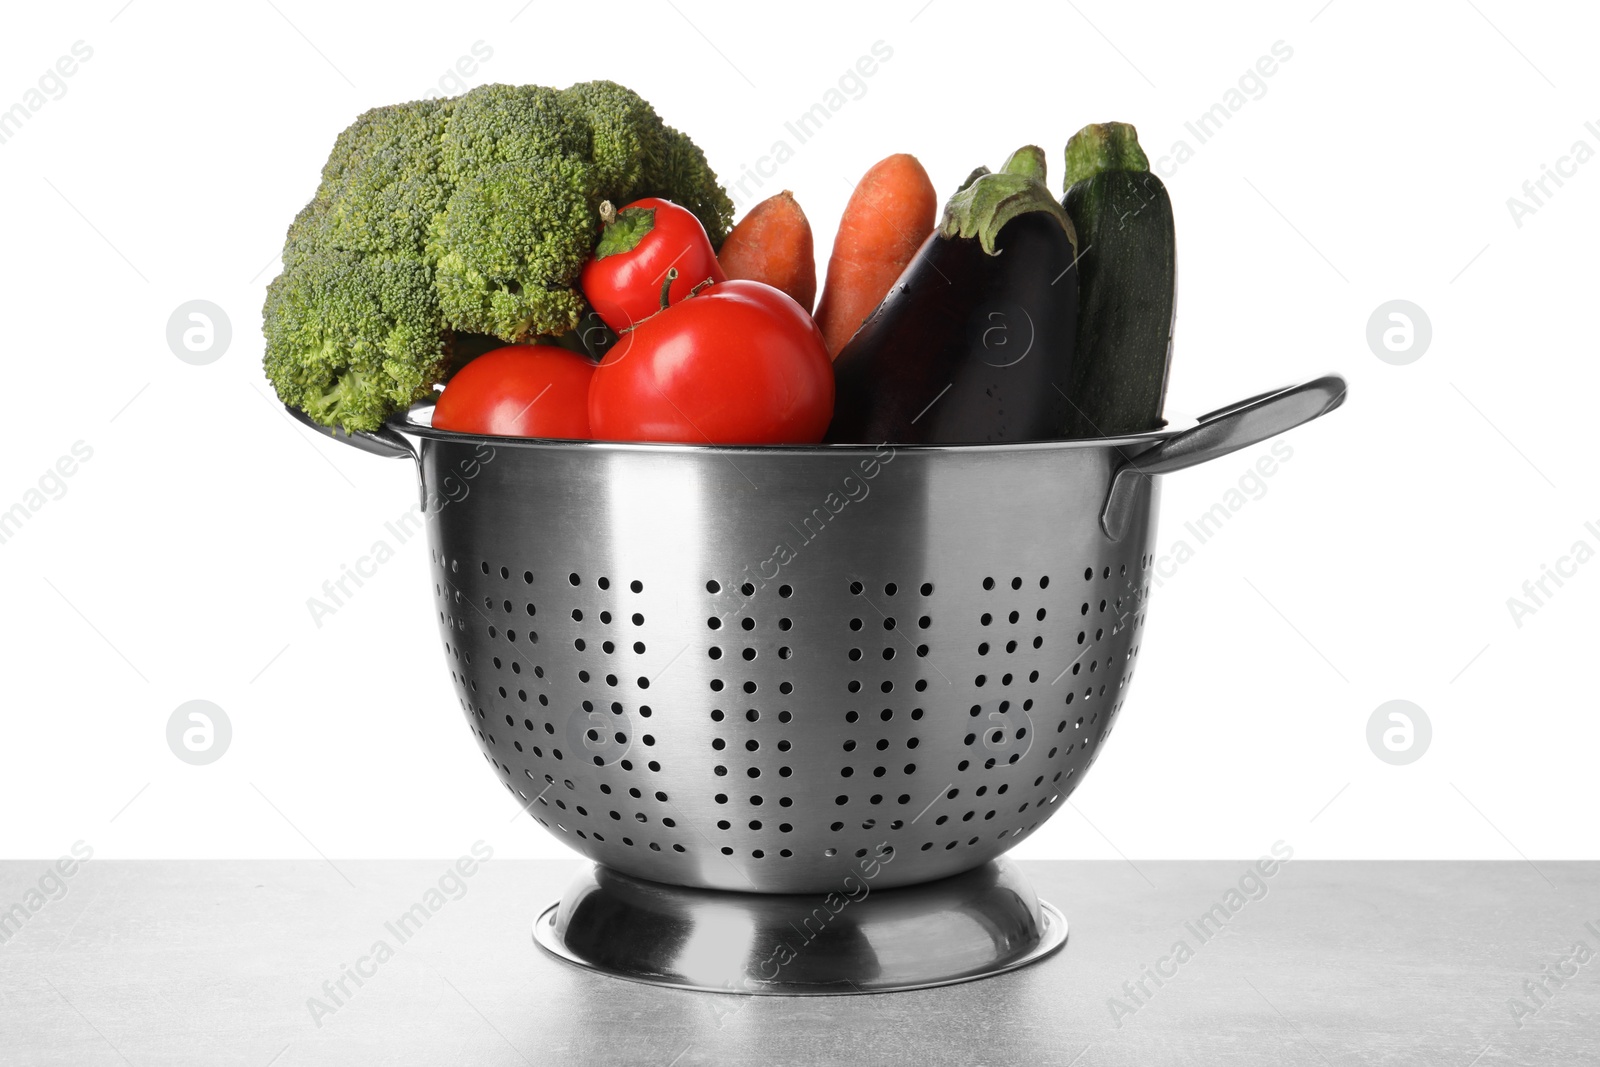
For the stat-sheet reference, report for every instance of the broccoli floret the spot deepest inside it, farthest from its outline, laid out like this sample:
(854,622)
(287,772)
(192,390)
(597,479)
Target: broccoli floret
(493,124)
(688,180)
(509,245)
(307,234)
(474,214)
(638,155)
(382,182)
(353,338)
(609,126)
(627,141)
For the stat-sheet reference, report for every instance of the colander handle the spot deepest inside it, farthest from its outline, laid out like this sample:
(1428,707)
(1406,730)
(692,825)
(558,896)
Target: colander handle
(1218,433)
(383,441)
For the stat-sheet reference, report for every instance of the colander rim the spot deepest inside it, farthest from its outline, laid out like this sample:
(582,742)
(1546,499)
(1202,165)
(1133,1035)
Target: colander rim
(411,422)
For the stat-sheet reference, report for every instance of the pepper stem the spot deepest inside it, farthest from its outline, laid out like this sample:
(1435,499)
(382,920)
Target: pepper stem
(666,287)
(621,231)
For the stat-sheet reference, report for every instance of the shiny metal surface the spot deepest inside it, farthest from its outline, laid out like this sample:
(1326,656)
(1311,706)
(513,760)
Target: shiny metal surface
(853,938)
(1218,433)
(383,441)
(749,668)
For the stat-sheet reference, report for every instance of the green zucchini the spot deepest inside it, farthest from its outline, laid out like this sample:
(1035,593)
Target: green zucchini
(1126,284)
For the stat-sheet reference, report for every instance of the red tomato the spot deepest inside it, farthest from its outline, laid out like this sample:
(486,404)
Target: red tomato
(737,363)
(519,391)
(647,238)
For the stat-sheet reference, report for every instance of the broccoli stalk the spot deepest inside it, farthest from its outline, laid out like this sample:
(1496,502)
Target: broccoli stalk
(474,214)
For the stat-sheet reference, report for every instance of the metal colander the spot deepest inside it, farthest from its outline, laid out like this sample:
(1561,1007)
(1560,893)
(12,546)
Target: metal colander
(749,668)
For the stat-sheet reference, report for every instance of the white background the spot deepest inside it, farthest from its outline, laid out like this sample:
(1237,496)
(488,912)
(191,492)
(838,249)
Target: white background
(1377,565)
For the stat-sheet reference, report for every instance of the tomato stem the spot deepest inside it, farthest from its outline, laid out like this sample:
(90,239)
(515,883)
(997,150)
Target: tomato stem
(666,286)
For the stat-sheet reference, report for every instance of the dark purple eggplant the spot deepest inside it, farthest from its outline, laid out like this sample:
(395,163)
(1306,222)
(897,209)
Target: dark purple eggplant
(974,343)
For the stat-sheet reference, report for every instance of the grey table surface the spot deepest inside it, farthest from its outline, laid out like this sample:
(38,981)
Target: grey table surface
(184,962)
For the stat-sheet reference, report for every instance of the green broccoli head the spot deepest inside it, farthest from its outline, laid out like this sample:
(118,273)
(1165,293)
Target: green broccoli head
(474,214)
(509,245)
(687,179)
(637,155)
(626,140)
(307,234)
(352,339)
(382,184)
(494,124)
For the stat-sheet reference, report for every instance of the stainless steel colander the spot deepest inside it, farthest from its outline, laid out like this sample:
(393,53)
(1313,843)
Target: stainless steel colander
(752,669)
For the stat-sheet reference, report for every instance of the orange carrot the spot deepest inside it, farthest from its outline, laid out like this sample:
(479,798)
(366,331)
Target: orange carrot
(889,216)
(772,244)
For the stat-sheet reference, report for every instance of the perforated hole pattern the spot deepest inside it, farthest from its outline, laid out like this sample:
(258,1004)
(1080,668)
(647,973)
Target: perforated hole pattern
(772,736)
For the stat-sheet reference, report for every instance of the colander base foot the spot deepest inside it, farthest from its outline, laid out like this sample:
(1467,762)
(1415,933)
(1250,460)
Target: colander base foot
(854,940)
